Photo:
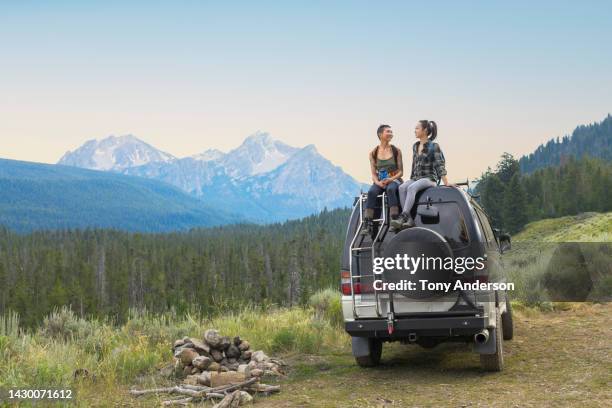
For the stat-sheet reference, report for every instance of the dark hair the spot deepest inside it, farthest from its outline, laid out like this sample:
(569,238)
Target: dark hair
(430,127)
(381,129)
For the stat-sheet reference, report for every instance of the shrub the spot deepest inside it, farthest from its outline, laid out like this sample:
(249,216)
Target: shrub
(327,306)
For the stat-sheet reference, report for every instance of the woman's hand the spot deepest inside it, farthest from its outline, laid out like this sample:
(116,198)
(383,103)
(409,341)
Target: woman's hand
(380,184)
(446,183)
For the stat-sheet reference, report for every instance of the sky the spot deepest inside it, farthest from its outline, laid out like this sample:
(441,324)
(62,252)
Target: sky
(186,76)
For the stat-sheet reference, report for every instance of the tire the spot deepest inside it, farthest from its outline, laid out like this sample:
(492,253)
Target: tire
(507,323)
(372,359)
(495,362)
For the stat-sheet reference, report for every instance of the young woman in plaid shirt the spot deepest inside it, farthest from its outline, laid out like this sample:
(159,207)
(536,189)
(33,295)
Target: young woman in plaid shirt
(428,167)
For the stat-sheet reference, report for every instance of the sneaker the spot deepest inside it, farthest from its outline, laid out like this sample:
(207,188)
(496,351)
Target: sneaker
(409,223)
(397,224)
(367,227)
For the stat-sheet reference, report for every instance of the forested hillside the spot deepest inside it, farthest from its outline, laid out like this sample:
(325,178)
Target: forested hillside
(38,196)
(513,199)
(593,140)
(105,272)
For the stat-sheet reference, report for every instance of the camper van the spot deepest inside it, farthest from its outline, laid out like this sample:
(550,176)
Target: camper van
(439,281)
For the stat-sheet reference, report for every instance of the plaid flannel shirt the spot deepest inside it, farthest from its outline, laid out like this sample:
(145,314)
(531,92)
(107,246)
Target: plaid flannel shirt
(428,164)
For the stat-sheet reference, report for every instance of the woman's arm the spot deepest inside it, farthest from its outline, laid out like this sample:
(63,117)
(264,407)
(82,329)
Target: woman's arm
(440,164)
(375,179)
(400,167)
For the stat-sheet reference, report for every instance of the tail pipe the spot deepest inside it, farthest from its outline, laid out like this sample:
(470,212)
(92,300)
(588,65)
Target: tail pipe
(481,337)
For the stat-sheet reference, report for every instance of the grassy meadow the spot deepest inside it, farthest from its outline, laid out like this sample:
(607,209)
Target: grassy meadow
(138,353)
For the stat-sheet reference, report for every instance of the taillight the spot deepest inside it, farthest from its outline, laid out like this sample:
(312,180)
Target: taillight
(345,284)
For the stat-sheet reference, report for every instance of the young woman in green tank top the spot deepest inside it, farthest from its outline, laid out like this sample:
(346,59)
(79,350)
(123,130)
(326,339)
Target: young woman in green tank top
(387,168)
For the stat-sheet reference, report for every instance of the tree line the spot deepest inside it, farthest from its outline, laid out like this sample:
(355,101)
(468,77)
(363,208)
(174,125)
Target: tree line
(104,272)
(593,140)
(512,199)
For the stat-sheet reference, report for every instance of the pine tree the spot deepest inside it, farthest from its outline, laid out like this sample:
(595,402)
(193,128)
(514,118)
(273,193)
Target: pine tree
(515,205)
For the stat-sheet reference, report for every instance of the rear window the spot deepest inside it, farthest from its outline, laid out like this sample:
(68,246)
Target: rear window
(451,224)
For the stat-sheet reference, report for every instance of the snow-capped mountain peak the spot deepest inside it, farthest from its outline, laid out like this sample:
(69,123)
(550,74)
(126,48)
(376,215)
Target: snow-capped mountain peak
(263,179)
(259,153)
(114,153)
(209,155)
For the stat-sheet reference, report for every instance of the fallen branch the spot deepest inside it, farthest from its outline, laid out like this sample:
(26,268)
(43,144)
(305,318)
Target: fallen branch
(169,390)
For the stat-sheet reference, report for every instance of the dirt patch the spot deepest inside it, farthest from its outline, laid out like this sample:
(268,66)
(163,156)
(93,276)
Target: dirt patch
(560,358)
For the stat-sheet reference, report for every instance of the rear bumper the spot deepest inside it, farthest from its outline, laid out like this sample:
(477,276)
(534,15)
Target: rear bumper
(420,326)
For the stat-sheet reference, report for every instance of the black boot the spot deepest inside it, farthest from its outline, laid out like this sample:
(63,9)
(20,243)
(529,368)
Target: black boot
(368,227)
(403,221)
(409,222)
(397,224)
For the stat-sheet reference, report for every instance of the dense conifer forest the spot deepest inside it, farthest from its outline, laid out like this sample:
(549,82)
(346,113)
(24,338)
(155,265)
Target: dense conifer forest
(593,140)
(103,272)
(513,199)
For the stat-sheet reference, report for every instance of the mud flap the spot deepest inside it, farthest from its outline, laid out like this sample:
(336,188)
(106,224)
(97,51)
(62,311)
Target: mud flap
(488,347)
(361,346)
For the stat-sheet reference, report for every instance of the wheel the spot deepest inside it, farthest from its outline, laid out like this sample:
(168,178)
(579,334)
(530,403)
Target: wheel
(495,361)
(507,324)
(372,359)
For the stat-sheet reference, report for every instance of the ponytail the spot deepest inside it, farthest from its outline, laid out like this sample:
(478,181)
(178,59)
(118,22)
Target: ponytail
(431,128)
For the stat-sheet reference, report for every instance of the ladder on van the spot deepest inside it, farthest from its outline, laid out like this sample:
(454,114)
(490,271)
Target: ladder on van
(357,248)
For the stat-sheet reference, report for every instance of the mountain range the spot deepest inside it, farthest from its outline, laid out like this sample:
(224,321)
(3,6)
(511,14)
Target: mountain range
(45,196)
(262,180)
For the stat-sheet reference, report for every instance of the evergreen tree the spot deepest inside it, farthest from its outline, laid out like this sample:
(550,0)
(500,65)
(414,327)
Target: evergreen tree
(515,205)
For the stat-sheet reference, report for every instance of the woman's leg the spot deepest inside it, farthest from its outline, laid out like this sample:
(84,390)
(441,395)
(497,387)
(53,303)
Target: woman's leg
(403,191)
(412,191)
(373,193)
(393,198)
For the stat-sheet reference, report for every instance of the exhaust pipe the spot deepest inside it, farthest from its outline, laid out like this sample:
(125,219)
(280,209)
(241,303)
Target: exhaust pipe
(481,337)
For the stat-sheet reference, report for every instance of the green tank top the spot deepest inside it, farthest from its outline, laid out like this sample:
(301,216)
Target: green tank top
(387,164)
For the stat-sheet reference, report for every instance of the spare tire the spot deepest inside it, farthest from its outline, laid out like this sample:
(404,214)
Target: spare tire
(414,243)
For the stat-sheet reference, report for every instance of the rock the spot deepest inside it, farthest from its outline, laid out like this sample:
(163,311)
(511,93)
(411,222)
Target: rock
(201,362)
(252,365)
(188,345)
(231,377)
(187,355)
(232,366)
(195,370)
(246,355)
(242,368)
(212,337)
(237,341)
(223,362)
(177,343)
(224,369)
(200,347)
(216,355)
(244,346)
(232,352)
(191,380)
(214,366)
(259,356)
(186,371)
(245,398)
(225,343)
(203,379)
(231,360)
(256,372)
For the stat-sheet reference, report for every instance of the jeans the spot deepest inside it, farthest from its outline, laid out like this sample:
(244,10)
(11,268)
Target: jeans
(375,191)
(408,191)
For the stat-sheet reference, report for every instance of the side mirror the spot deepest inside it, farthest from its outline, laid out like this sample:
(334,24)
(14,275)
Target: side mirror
(505,242)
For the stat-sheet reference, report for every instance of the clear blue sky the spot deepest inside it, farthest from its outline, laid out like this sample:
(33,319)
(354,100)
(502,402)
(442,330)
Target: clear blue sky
(187,76)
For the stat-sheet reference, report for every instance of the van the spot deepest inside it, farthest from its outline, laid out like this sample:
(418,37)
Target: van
(442,280)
